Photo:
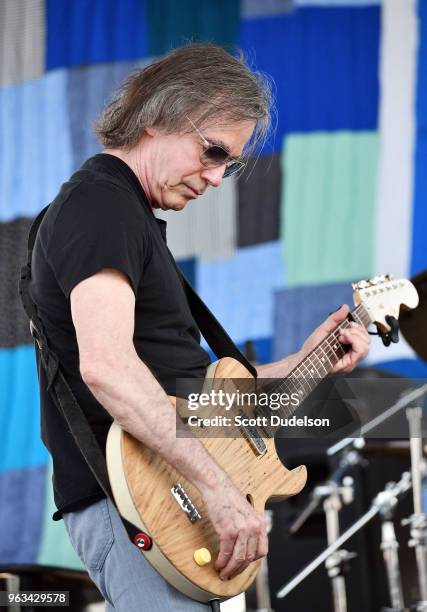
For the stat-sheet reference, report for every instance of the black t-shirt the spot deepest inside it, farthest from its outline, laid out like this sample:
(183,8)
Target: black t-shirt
(101,219)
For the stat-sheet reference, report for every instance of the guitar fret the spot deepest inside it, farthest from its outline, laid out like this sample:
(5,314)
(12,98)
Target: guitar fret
(362,314)
(356,316)
(299,389)
(317,365)
(331,352)
(288,386)
(340,350)
(314,366)
(323,358)
(306,376)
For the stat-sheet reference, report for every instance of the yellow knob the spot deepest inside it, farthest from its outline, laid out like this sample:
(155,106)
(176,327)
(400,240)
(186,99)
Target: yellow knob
(202,556)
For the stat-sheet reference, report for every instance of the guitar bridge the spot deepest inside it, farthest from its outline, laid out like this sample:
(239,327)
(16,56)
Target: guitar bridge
(185,503)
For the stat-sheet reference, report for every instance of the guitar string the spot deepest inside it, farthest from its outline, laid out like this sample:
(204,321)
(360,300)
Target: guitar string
(333,353)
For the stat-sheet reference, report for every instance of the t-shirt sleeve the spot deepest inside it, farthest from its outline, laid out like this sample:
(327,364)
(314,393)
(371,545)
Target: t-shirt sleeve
(99,226)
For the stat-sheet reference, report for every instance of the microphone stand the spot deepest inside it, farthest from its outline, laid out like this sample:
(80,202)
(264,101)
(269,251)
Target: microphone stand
(336,563)
(405,400)
(418,520)
(261,582)
(333,494)
(382,504)
(389,547)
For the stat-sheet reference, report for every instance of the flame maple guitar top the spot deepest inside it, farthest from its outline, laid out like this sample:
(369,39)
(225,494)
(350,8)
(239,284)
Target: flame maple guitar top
(149,480)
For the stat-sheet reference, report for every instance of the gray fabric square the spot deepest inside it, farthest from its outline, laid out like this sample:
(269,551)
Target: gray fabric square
(22,40)
(251,9)
(206,228)
(14,326)
(259,191)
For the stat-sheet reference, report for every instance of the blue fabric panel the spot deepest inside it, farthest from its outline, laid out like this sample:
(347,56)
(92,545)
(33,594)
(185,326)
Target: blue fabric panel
(324,62)
(188,268)
(20,442)
(239,290)
(172,24)
(90,88)
(22,495)
(298,311)
(419,242)
(410,368)
(35,146)
(262,346)
(89,31)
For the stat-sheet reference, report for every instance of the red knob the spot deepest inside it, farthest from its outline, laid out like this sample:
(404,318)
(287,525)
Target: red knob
(143,541)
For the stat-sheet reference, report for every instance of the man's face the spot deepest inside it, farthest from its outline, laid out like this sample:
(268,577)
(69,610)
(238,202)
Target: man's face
(174,172)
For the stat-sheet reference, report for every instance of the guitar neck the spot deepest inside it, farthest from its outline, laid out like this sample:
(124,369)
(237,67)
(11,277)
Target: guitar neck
(306,376)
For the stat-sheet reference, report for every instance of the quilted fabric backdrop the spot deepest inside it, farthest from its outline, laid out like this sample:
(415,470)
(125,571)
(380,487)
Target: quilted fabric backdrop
(338,193)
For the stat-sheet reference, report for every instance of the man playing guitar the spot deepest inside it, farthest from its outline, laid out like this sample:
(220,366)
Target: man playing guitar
(116,314)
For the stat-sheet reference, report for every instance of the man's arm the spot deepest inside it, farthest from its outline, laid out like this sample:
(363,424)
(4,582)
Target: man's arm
(103,309)
(355,336)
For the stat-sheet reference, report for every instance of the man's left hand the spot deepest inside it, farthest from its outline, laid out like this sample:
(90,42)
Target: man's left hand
(355,336)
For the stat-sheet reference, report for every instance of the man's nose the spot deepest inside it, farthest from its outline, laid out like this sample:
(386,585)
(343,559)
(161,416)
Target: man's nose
(213,175)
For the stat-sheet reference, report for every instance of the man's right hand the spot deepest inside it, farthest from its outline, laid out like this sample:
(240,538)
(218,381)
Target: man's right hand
(126,388)
(241,530)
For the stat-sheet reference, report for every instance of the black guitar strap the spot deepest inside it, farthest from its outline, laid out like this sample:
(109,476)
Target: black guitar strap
(215,335)
(60,391)
(58,387)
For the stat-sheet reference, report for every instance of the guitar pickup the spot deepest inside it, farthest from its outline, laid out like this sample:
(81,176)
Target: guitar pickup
(185,503)
(252,434)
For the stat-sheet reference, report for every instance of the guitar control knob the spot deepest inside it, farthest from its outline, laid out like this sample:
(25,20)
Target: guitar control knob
(202,556)
(143,541)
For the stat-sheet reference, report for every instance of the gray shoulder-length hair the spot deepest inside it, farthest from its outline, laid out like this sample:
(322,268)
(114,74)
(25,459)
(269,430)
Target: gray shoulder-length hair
(198,80)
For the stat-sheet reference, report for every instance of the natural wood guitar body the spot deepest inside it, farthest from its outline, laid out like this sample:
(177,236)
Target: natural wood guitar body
(142,481)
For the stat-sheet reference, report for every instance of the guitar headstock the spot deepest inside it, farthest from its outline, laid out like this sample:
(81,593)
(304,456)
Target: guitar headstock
(383,296)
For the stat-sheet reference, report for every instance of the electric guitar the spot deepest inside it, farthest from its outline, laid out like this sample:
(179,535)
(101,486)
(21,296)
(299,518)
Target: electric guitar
(177,537)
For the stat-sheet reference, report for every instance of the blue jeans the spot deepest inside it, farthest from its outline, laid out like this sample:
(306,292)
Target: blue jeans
(126,580)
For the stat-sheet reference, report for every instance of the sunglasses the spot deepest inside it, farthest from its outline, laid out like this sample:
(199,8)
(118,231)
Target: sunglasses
(215,155)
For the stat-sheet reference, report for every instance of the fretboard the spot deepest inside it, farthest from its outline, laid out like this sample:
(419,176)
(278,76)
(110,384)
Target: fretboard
(305,377)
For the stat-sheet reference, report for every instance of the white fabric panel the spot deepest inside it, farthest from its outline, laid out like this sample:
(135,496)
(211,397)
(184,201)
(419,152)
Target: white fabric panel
(398,57)
(207,226)
(22,40)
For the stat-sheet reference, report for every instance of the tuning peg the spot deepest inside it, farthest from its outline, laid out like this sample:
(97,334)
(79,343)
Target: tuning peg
(362,284)
(393,334)
(384,337)
(382,278)
(394,328)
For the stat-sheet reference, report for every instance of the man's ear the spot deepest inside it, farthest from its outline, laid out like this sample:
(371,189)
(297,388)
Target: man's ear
(151,131)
